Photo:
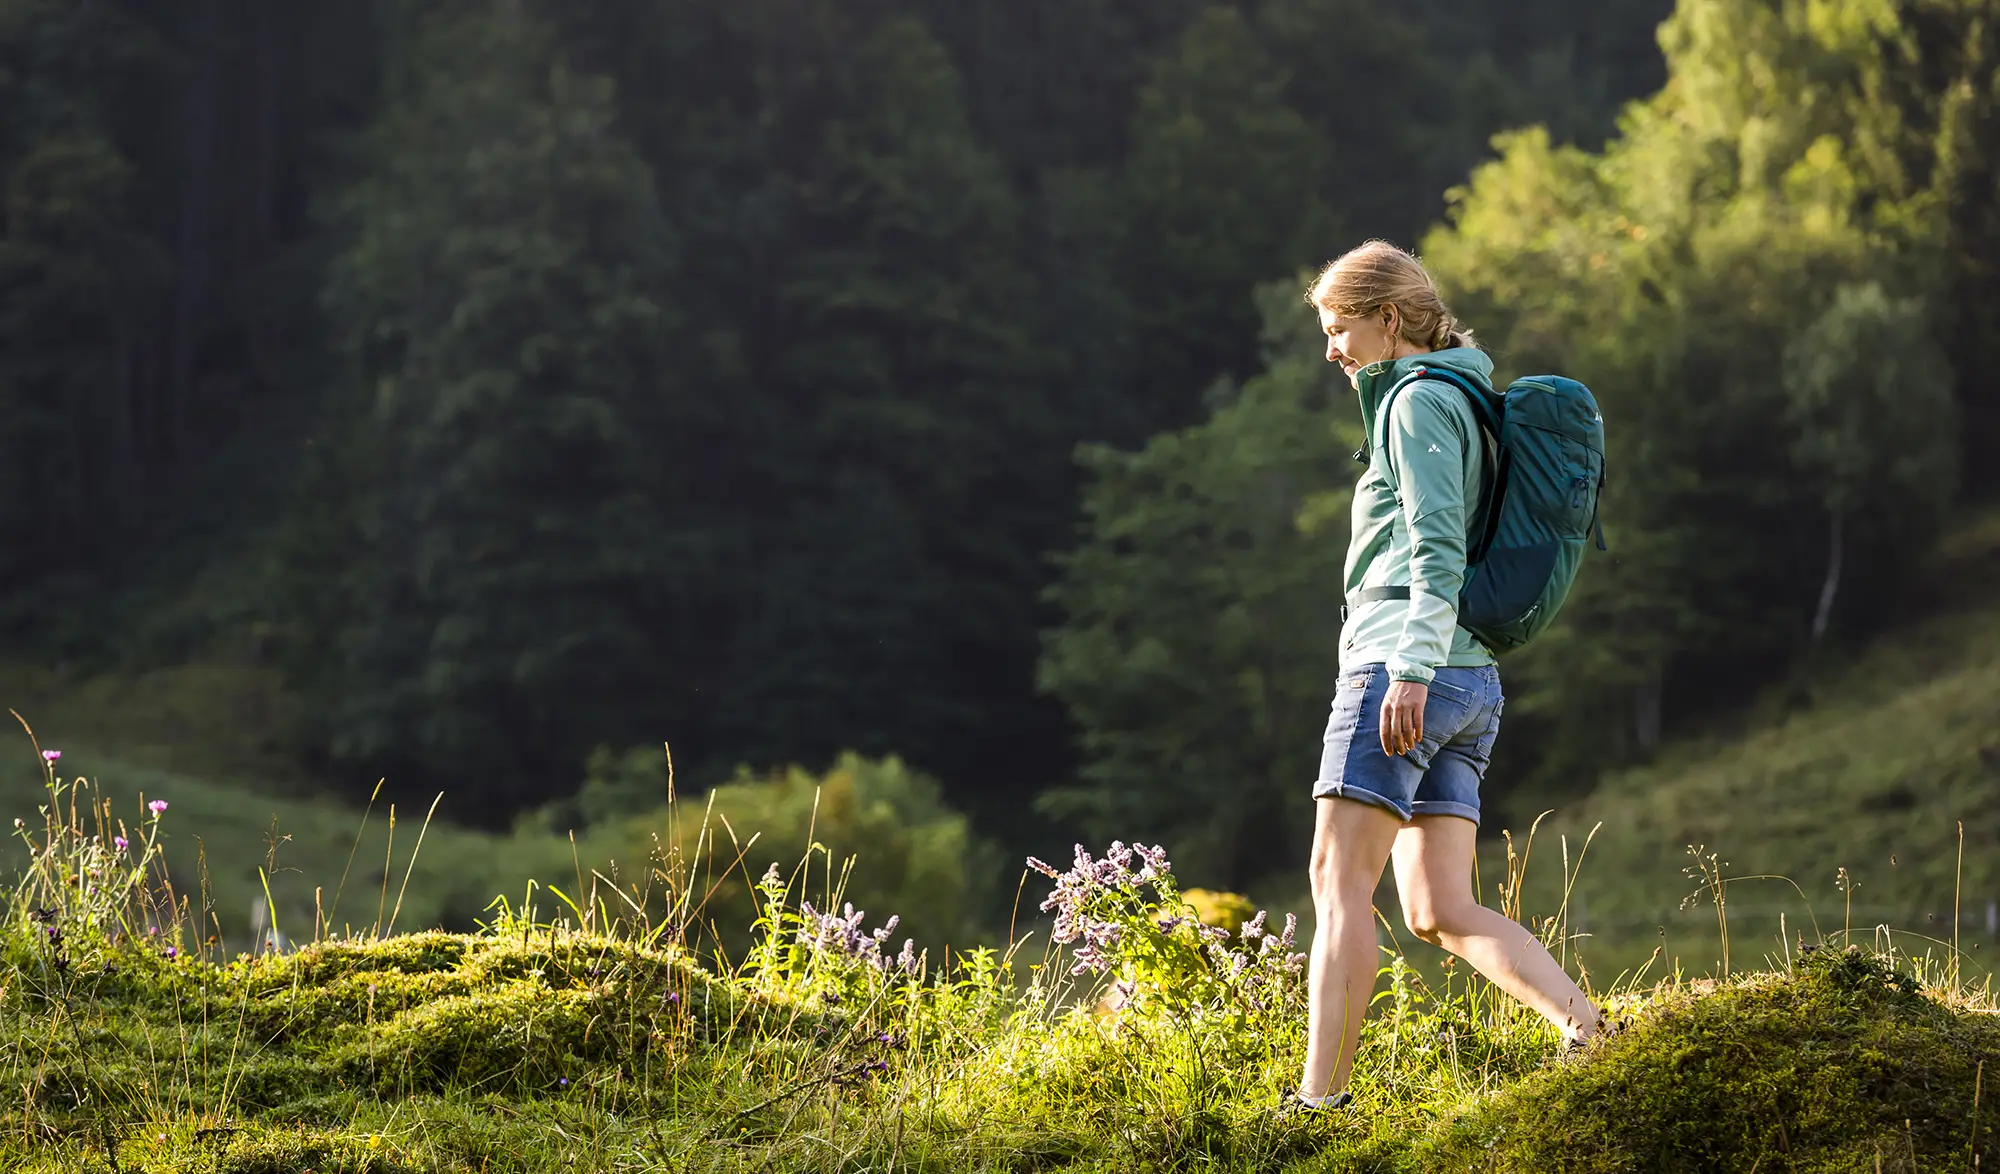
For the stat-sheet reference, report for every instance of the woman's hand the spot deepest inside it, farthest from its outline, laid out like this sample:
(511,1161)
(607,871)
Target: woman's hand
(1402,722)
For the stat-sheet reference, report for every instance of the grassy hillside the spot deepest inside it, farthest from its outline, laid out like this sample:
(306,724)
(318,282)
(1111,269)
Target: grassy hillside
(232,840)
(207,738)
(1851,784)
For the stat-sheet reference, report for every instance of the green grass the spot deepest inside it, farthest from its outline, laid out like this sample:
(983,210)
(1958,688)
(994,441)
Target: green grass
(209,739)
(248,823)
(238,840)
(535,1047)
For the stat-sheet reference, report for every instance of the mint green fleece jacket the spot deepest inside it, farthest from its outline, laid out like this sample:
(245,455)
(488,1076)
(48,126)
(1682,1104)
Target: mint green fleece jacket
(1413,509)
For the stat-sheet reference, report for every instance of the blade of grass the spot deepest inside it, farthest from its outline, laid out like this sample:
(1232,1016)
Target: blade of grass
(412,867)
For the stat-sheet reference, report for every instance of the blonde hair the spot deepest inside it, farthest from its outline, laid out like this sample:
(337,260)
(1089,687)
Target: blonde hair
(1377,275)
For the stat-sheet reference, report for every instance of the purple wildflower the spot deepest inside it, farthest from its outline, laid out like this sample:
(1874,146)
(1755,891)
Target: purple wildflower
(1291,931)
(173,952)
(841,934)
(157,806)
(1042,866)
(907,961)
(1065,930)
(1103,934)
(673,998)
(1254,928)
(1126,989)
(1115,869)
(51,755)
(120,843)
(1156,863)
(562,1082)
(1169,924)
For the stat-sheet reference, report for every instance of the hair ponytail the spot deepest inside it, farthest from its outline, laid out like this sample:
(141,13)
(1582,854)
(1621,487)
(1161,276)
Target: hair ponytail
(1378,274)
(1451,333)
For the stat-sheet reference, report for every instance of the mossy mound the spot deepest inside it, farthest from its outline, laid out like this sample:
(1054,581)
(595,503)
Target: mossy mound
(427,1012)
(1837,1065)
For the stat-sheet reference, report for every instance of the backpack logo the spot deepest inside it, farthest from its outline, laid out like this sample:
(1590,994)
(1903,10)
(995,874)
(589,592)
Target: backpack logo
(1435,448)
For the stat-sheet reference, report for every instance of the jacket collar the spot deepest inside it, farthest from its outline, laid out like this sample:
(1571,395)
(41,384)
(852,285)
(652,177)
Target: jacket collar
(1375,380)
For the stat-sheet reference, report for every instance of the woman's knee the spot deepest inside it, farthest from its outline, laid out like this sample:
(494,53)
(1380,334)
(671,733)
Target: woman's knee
(1422,922)
(1433,921)
(1335,878)
(1324,873)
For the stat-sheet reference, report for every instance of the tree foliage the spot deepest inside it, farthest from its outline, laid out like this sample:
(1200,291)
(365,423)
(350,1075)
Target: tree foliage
(510,542)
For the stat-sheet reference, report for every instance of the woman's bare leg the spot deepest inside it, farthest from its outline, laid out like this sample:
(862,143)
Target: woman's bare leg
(1351,843)
(1433,856)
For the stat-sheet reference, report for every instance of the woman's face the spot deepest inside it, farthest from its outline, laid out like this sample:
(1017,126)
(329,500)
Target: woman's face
(1356,342)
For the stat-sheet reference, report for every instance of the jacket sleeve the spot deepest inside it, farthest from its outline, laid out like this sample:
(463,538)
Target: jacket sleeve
(1427,444)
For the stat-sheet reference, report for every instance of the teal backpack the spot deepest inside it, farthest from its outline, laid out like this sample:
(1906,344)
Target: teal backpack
(1541,502)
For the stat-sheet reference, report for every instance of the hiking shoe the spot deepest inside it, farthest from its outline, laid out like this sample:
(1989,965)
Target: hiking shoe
(1292,1105)
(1574,1048)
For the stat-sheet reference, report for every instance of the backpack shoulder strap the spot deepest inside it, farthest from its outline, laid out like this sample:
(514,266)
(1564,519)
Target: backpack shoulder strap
(1486,414)
(1484,411)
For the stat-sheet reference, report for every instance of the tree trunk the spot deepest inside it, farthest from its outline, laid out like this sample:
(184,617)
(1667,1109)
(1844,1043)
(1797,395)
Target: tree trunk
(1827,589)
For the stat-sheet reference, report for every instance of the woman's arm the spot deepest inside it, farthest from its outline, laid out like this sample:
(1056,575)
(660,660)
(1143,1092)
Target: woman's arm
(1427,452)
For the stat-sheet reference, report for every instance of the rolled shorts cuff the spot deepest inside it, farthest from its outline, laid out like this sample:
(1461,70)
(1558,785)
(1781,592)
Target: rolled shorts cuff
(1441,807)
(1334,789)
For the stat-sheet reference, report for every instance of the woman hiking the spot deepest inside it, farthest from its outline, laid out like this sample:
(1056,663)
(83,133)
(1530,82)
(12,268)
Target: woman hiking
(1418,701)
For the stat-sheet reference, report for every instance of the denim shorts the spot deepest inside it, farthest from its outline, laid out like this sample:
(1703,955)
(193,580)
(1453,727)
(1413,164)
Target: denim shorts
(1441,774)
